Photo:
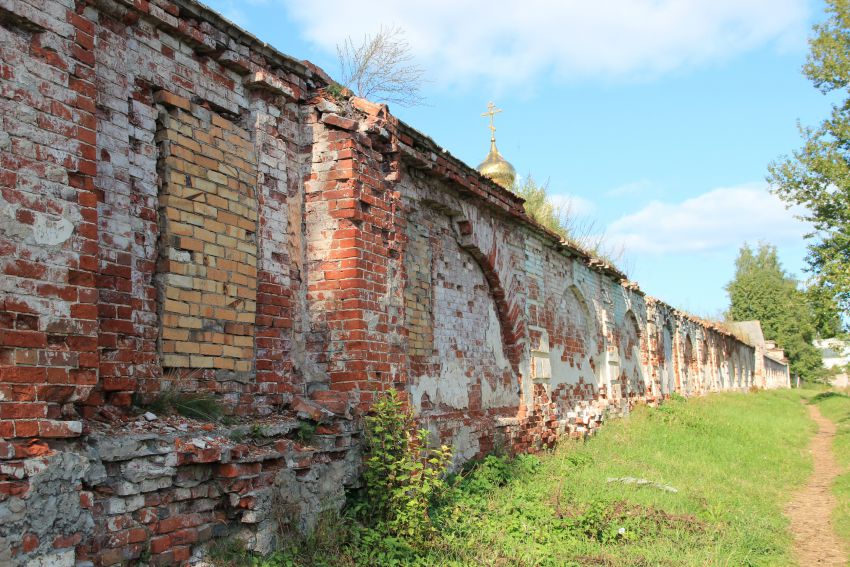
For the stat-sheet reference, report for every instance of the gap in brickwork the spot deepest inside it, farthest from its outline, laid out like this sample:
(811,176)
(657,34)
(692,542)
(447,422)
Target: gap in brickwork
(18,24)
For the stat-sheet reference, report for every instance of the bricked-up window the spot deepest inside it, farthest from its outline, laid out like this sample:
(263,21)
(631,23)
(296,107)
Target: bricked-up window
(417,295)
(207,273)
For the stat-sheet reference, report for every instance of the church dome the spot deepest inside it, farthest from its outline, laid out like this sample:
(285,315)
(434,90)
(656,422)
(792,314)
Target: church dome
(494,165)
(497,168)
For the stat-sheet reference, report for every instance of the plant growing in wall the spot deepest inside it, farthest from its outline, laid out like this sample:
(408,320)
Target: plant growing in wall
(382,67)
(402,474)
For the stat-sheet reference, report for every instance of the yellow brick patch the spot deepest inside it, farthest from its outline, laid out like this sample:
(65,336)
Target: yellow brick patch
(417,295)
(208,272)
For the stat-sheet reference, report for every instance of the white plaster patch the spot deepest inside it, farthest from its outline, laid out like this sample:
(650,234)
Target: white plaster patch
(46,230)
(451,387)
(465,445)
(563,372)
(50,231)
(501,396)
(64,558)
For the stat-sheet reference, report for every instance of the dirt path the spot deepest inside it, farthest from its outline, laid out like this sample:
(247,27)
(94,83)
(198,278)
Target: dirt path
(815,542)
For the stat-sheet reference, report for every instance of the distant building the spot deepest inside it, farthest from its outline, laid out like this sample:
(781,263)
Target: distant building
(771,369)
(835,353)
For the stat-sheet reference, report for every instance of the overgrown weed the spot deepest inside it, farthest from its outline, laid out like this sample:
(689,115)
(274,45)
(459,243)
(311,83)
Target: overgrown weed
(193,405)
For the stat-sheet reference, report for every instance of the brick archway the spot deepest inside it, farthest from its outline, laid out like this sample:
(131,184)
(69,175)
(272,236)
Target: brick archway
(509,319)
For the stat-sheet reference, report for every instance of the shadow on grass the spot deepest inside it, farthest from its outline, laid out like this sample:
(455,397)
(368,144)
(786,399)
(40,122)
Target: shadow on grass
(827,395)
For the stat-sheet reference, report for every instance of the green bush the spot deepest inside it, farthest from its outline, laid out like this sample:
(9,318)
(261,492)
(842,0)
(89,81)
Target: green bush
(403,475)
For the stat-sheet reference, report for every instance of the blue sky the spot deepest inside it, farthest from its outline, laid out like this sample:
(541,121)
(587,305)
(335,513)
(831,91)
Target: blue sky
(655,118)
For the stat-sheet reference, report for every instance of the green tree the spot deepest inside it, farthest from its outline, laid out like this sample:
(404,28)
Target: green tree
(817,176)
(762,290)
(825,310)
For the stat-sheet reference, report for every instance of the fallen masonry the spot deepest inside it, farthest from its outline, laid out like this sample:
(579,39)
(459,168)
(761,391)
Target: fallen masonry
(188,216)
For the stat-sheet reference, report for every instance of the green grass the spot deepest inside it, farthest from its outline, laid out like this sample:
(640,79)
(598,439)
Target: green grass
(202,406)
(835,406)
(735,460)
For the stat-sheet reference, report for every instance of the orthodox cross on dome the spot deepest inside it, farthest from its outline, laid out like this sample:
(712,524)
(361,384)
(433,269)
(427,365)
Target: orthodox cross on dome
(492,111)
(494,166)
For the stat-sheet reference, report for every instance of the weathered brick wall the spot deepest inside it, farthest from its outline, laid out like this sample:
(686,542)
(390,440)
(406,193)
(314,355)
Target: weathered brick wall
(594,344)
(776,374)
(184,210)
(48,220)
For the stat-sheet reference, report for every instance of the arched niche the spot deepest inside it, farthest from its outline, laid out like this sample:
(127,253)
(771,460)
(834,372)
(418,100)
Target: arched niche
(469,369)
(734,371)
(574,341)
(689,364)
(665,358)
(631,366)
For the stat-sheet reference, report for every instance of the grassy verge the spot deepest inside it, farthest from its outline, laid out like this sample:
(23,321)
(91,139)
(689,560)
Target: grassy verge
(835,406)
(698,482)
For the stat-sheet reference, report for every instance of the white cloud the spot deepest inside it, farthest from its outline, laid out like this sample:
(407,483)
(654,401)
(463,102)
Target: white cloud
(508,42)
(720,219)
(639,187)
(573,204)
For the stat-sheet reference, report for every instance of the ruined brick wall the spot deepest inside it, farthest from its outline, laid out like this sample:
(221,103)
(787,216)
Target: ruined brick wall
(776,373)
(49,259)
(140,141)
(186,212)
(588,342)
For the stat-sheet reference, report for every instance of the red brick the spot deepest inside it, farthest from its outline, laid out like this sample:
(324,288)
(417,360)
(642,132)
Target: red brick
(23,338)
(136,535)
(183,537)
(26,428)
(80,22)
(14,488)
(62,542)
(86,499)
(18,393)
(55,393)
(29,542)
(28,410)
(33,448)
(83,344)
(233,470)
(339,122)
(181,553)
(23,374)
(24,216)
(178,522)
(160,544)
(78,278)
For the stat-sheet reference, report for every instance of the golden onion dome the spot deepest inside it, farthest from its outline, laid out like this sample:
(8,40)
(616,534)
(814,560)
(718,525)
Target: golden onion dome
(494,165)
(497,168)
